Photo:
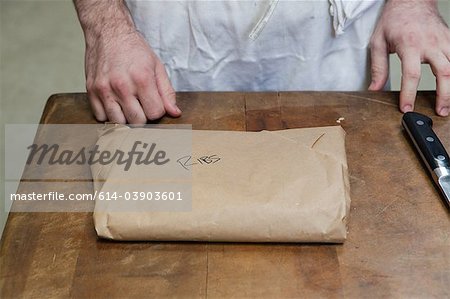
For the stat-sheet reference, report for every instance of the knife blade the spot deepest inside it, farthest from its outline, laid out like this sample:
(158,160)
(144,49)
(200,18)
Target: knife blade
(420,129)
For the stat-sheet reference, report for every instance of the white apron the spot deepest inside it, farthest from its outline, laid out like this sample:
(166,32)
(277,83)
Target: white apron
(260,45)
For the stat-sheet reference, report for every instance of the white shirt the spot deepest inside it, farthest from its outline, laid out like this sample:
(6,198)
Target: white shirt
(305,45)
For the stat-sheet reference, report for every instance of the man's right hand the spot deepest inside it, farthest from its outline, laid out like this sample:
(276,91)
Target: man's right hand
(125,80)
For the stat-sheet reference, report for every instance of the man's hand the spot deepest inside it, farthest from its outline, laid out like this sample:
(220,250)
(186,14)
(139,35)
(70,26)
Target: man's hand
(415,31)
(125,80)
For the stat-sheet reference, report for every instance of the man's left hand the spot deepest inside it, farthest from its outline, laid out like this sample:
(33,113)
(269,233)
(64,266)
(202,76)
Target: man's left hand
(416,32)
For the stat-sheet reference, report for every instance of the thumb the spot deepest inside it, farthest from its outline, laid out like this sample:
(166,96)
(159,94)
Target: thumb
(379,65)
(166,91)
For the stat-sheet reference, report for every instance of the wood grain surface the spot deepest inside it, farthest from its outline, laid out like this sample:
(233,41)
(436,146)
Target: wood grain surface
(399,228)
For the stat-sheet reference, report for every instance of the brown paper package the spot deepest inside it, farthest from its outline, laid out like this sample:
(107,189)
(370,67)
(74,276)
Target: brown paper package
(269,186)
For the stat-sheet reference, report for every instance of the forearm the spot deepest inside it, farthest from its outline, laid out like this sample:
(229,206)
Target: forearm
(103,18)
(427,5)
(415,2)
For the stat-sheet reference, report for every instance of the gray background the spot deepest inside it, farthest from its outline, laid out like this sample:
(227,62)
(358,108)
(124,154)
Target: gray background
(42,52)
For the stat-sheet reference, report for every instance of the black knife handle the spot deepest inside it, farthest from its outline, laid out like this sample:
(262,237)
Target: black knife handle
(419,129)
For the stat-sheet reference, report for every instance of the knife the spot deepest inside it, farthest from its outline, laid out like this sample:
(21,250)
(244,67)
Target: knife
(430,148)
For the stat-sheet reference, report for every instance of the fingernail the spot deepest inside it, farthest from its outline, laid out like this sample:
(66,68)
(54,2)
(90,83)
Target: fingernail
(444,111)
(177,109)
(407,108)
(372,84)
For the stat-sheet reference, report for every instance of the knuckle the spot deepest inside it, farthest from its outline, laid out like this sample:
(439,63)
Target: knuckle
(411,39)
(408,98)
(412,74)
(375,44)
(101,87)
(408,95)
(169,92)
(110,111)
(443,71)
(433,41)
(443,96)
(377,69)
(120,85)
(141,78)
(156,113)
